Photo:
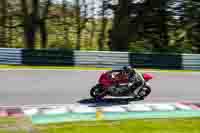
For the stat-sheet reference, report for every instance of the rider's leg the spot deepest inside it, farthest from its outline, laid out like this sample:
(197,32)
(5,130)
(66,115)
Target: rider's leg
(141,81)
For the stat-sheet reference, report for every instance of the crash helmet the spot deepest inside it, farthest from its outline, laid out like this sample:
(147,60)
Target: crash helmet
(127,68)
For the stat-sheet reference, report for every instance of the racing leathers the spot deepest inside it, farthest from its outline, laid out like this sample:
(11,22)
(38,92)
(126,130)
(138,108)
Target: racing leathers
(135,79)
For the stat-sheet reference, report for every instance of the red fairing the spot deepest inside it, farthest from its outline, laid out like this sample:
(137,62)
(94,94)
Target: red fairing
(105,80)
(147,76)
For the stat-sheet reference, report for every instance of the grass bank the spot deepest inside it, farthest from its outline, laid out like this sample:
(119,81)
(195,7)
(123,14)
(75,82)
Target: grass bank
(50,67)
(15,125)
(127,126)
(81,68)
(8,121)
(190,125)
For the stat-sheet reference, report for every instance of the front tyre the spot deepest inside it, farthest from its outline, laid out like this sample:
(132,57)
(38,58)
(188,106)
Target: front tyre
(97,92)
(144,92)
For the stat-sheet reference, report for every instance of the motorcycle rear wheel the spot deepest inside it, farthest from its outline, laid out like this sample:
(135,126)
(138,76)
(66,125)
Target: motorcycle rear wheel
(144,92)
(97,92)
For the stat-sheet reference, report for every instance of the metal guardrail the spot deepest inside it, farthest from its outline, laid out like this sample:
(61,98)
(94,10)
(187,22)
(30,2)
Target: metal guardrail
(191,61)
(10,56)
(167,61)
(101,59)
(98,59)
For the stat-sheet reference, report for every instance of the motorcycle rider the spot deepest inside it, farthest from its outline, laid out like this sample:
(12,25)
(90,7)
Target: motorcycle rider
(129,71)
(134,77)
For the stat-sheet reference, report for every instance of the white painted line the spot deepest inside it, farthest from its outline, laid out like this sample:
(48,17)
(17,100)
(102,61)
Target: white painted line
(53,111)
(162,107)
(36,105)
(113,109)
(138,107)
(31,111)
(82,109)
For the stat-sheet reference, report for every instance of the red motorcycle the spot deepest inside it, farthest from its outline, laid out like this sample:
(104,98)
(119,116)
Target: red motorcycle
(121,86)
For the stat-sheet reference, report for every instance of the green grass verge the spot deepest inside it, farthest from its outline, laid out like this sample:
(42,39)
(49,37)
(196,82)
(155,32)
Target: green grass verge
(12,131)
(82,68)
(189,125)
(14,125)
(126,126)
(8,121)
(51,67)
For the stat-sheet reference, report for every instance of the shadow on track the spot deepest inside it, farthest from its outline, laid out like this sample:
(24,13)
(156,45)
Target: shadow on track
(107,101)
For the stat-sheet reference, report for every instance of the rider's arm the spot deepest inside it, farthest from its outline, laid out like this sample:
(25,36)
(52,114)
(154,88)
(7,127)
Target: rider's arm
(132,74)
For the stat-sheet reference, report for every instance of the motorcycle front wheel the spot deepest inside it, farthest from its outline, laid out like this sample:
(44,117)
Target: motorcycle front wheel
(97,92)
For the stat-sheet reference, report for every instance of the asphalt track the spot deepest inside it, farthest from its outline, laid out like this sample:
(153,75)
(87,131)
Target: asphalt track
(36,87)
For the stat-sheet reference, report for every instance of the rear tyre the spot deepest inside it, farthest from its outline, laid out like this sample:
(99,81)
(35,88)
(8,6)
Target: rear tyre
(144,92)
(97,92)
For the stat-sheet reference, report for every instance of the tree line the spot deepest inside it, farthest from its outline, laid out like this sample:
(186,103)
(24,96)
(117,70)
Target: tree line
(130,25)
